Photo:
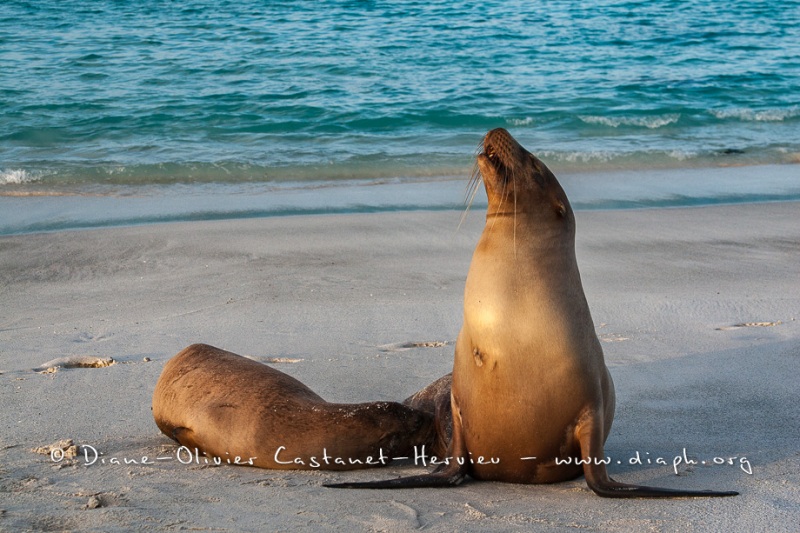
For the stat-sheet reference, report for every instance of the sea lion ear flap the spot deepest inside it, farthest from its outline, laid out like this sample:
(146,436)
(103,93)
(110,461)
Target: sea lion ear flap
(561,209)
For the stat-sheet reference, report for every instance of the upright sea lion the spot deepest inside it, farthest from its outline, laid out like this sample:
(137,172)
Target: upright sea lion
(531,393)
(228,407)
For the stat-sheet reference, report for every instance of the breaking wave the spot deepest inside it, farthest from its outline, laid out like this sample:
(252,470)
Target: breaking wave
(651,122)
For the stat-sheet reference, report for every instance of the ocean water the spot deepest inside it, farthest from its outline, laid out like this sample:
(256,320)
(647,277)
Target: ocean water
(163,98)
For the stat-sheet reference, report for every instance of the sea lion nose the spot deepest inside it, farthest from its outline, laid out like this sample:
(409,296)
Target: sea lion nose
(500,145)
(498,131)
(495,137)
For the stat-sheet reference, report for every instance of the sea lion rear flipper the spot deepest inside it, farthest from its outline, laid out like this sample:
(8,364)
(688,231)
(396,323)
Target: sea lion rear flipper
(590,435)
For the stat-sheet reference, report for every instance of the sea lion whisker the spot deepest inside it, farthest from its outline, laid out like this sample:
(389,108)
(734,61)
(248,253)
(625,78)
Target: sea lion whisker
(472,190)
(499,210)
(515,223)
(472,184)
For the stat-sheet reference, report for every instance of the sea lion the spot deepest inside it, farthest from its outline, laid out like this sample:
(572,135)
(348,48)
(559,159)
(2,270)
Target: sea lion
(532,400)
(435,400)
(239,411)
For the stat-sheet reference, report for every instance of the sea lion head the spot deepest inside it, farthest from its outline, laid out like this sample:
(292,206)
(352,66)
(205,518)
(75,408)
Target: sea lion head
(518,183)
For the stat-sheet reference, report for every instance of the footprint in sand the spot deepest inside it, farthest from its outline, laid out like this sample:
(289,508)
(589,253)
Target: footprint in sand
(750,325)
(74,361)
(281,360)
(273,360)
(103,499)
(612,337)
(402,346)
(65,448)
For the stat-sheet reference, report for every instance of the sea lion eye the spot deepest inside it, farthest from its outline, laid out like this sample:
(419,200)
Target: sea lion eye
(561,209)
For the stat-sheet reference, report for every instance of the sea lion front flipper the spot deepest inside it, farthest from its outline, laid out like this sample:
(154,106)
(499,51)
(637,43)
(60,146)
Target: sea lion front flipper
(450,476)
(589,433)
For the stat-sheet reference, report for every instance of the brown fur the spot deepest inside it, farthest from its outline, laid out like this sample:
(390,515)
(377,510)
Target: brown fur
(530,387)
(229,406)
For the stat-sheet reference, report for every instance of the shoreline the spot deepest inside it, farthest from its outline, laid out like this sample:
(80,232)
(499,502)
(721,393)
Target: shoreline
(697,310)
(25,211)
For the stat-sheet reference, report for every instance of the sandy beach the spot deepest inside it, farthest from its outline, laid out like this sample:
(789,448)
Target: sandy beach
(698,310)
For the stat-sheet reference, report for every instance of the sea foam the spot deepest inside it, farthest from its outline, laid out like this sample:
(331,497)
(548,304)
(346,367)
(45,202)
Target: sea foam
(651,122)
(753,115)
(17,177)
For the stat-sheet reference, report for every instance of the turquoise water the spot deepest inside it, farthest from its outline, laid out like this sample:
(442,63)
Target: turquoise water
(132,96)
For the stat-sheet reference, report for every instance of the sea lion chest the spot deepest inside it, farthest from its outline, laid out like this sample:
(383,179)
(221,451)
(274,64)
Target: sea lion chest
(525,365)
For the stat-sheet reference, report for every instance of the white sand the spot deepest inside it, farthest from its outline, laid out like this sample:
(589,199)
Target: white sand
(341,297)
